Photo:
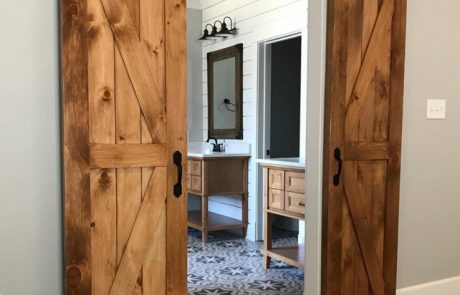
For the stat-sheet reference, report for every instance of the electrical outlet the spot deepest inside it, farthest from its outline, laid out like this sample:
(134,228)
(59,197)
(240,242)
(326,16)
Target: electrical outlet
(436,109)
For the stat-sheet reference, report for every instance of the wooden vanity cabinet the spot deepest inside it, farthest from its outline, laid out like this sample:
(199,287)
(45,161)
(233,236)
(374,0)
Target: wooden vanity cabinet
(217,176)
(284,195)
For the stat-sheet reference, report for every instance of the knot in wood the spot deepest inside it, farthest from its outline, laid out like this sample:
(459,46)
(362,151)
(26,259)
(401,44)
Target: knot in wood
(73,276)
(107,95)
(105,180)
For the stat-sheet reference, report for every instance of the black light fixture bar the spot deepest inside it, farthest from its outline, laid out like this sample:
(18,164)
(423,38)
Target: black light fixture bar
(223,33)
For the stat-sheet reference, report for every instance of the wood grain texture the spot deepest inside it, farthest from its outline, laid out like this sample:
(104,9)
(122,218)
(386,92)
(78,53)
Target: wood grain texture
(75,129)
(364,95)
(128,155)
(152,24)
(103,229)
(128,131)
(398,45)
(117,150)
(143,234)
(138,59)
(101,88)
(336,87)
(176,97)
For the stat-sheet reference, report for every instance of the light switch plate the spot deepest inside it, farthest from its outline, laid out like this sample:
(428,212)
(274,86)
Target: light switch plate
(436,109)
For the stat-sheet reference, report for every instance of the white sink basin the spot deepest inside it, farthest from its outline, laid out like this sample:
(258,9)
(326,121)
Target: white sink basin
(204,150)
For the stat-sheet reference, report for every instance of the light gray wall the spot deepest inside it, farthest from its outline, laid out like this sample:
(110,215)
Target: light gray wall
(30,190)
(429,247)
(194,75)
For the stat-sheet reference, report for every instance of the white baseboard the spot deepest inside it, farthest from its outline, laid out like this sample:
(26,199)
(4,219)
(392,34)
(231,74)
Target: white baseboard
(444,287)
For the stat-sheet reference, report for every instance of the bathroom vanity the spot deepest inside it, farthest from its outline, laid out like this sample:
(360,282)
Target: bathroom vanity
(284,195)
(217,174)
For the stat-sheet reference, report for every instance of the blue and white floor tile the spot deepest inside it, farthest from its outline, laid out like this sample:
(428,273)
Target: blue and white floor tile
(230,265)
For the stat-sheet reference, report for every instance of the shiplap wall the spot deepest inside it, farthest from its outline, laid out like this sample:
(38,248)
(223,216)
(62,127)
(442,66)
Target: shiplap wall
(256,21)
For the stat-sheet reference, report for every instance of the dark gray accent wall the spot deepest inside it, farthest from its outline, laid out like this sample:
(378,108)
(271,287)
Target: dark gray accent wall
(285,98)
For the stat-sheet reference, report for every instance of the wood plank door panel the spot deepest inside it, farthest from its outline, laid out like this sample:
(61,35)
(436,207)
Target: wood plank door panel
(123,72)
(364,94)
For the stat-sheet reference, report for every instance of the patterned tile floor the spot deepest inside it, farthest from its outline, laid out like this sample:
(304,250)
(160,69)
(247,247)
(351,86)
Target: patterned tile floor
(230,265)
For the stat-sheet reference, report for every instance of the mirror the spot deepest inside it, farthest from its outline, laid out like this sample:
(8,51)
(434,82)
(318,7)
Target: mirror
(225,93)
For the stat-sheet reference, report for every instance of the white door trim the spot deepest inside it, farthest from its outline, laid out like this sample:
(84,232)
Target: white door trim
(317,12)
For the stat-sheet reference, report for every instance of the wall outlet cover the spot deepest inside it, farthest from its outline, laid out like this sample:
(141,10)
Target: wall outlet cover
(436,109)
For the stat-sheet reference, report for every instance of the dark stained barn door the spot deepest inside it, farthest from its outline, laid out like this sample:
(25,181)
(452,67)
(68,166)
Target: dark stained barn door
(364,99)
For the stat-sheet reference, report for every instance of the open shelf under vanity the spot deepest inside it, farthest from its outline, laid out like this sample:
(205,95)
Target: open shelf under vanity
(284,195)
(217,175)
(292,255)
(215,221)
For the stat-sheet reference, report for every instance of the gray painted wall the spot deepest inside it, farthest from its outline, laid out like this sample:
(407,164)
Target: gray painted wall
(429,247)
(30,190)
(194,76)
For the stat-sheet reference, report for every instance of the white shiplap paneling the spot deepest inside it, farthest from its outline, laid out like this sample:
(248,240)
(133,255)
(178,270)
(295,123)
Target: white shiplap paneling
(256,21)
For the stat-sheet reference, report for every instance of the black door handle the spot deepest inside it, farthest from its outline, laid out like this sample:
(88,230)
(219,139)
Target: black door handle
(177,158)
(338,157)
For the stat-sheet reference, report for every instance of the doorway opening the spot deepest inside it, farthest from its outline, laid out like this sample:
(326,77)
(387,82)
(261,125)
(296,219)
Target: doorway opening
(231,250)
(281,97)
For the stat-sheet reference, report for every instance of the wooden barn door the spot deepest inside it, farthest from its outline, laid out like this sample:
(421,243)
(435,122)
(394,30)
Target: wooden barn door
(124,117)
(365,65)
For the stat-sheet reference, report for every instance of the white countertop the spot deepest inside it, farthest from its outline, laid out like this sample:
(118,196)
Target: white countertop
(216,155)
(204,150)
(291,162)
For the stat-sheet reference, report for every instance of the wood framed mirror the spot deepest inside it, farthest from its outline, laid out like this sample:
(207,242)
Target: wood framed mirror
(225,93)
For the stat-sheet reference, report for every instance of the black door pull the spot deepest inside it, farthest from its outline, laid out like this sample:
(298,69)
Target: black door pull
(338,157)
(177,157)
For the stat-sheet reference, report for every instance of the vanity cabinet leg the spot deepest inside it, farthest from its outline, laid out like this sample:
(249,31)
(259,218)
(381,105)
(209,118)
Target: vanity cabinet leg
(245,214)
(204,219)
(244,198)
(267,262)
(267,239)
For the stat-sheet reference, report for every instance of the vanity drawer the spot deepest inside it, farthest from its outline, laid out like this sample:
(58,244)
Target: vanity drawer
(189,167)
(276,199)
(196,183)
(276,179)
(195,168)
(189,181)
(295,182)
(295,203)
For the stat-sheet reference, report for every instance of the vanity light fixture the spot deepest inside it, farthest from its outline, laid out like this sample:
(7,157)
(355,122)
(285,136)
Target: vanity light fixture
(206,34)
(224,28)
(216,34)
